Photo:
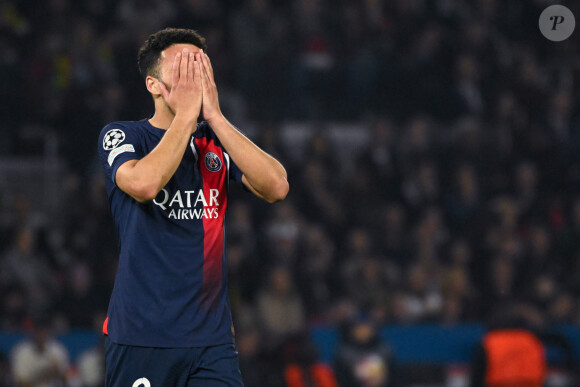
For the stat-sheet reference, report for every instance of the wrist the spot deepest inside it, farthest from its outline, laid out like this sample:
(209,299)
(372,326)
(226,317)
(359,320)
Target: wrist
(186,121)
(215,120)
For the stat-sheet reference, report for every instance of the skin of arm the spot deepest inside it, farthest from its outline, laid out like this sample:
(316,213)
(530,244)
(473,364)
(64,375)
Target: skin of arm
(143,179)
(262,174)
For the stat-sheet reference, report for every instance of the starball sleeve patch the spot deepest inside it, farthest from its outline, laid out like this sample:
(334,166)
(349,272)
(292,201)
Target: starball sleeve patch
(113,138)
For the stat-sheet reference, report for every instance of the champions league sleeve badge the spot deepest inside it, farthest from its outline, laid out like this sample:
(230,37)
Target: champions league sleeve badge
(117,151)
(212,162)
(113,138)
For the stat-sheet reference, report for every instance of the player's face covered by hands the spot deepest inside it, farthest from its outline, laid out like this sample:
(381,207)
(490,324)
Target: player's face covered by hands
(180,80)
(167,59)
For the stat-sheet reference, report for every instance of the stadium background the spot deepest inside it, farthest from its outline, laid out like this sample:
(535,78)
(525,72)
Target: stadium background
(431,146)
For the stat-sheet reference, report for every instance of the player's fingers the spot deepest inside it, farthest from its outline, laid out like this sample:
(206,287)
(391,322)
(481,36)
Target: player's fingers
(183,65)
(206,64)
(164,91)
(191,67)
(202,77)
(197,70)
(176,63)
(209,66)
(205,75)
(204,71)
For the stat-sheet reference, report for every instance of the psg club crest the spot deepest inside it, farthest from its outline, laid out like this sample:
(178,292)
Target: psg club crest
(212,162)
(113,138)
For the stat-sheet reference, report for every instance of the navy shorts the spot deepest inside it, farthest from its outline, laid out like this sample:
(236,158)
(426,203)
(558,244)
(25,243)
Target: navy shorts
(132,366)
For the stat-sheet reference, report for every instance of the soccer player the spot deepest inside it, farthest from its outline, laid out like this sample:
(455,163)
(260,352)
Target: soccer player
(169,321)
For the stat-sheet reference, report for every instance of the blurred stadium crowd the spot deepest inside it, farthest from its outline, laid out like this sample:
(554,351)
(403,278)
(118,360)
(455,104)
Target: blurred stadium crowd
(454,189)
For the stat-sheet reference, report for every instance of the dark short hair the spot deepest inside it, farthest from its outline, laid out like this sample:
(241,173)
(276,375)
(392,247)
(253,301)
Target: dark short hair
(150,52)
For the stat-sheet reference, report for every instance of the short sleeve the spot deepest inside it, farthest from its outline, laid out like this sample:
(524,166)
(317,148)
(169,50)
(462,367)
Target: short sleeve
(118,143)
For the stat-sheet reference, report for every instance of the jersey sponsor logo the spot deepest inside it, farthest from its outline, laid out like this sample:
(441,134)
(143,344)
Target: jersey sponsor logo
(184,205)
(113,138)
(212,162)
(117,151)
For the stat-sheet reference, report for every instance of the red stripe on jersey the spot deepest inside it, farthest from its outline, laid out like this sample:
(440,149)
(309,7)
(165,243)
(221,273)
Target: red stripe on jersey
(213,220)
(106,326)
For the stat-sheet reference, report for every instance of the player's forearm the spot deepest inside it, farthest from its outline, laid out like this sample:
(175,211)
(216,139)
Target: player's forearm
(263,172)
(150,174)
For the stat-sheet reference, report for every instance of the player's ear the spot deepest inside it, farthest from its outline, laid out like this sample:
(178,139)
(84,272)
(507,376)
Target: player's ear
(152,85)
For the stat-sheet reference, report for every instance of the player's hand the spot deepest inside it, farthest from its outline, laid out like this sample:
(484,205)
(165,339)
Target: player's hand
(185,96)
(210,107)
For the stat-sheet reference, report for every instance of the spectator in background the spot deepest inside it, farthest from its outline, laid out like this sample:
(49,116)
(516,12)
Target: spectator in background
(394,240)
(369,286)
(25,267)
(500,284)
(511,353)
(303,368)
(14,309)
(526,190)
(314,272)
(282,235)
(79,302)
(40,360)
(253,359)
(421,300)
(540,257)
(279,308)
(459,256)
(417,145)
(422,186)
(430,236)
(460,302)
(90,364)
(379,156)
(562,309)
(318,195)
(468,83)
(362,359)
(503,232)
(463,204)
(91,367)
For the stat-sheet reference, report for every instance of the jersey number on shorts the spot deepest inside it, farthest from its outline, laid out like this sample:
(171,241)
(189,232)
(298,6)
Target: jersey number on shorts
(142,382)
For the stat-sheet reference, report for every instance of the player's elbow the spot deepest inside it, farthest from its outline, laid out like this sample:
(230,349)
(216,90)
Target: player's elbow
(143,192)
(143,197)
(143,187)
(279,191)
(148,193)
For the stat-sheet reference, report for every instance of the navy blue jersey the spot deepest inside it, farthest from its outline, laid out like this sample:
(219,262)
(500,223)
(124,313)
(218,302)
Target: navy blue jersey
(171,287)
